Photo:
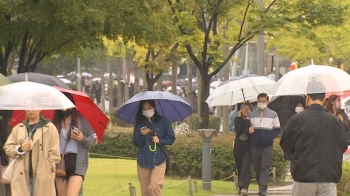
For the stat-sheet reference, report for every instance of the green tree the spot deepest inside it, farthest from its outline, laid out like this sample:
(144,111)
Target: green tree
(38,29)
(198,22)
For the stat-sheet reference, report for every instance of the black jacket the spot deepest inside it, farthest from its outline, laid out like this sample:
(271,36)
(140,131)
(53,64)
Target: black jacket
(314,141)
(241,126)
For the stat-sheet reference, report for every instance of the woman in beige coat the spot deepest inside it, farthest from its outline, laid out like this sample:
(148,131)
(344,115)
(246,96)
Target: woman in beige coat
(35,167)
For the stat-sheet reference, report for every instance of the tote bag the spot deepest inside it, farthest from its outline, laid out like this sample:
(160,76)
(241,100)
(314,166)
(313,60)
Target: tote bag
(7,175)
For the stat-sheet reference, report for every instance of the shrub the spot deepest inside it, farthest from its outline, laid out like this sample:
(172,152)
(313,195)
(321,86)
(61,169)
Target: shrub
(214,122)
(73,86)
(343,188)
(116,121)
(186,154)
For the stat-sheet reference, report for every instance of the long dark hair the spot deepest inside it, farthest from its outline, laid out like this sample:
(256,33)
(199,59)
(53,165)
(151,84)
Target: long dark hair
(58,116)
(329,106)
(139,115)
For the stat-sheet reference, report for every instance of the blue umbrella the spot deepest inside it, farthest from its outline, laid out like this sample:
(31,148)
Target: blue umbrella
(170,106)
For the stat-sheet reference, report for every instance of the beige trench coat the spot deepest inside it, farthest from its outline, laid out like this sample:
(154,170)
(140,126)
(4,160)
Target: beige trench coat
(45,155)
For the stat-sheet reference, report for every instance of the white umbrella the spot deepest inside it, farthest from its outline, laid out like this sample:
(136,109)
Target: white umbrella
(295,82)
(239,89)
(32,96)
(96,79)
(178,90)
(85,74)
(65,80)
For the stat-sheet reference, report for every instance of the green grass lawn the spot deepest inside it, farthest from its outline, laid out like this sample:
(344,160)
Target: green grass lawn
(107,176)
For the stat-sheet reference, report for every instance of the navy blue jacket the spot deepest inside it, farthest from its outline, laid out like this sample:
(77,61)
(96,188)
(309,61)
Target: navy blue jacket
(163,129)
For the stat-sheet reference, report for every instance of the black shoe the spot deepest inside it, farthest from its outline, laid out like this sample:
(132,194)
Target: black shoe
(262,193)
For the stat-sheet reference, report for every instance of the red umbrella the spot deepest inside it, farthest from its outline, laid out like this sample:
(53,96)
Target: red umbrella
(85,106)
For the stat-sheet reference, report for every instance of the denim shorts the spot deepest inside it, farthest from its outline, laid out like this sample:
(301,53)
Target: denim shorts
(70,160)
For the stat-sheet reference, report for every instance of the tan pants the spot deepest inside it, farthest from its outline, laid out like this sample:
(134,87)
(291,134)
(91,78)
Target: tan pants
(314,189)
(151,180)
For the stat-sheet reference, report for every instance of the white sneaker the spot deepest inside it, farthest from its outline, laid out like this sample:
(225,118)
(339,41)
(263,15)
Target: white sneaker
(244,192)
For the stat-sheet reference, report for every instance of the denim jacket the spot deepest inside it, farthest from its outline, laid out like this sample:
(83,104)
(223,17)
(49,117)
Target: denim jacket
(147,158)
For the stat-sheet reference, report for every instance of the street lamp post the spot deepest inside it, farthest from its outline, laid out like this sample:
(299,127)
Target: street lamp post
(206,157)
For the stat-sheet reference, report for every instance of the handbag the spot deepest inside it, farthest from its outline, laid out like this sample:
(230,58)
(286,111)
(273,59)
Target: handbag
(61,166)
(7,175)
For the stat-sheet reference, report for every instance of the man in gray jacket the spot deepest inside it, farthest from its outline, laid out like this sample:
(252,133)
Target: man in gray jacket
(314,141)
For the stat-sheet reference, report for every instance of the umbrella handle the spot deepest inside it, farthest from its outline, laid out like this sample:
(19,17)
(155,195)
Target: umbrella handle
(154,149)
(243,94)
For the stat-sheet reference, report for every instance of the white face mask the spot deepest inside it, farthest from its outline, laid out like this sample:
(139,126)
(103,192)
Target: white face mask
(337,105)
(299,109)
(148,113)
(262,106)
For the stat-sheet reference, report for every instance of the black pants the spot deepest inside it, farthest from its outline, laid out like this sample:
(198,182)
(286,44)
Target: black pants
(243,161)
(262,161)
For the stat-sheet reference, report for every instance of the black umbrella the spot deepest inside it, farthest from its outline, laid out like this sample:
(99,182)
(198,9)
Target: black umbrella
(284,106)
(39,78)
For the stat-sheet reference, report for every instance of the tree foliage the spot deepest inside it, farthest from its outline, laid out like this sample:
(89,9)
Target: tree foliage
(199,23)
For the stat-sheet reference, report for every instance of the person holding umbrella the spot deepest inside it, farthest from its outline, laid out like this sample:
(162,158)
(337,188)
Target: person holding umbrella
(314,141)
(151,133)
(35,145)
(76,136)
(241,149)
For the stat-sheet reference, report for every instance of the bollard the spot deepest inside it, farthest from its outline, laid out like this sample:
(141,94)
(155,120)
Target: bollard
(235,180)
(190,185)
(132,190)
(274,177)
(195,186)
(206,157)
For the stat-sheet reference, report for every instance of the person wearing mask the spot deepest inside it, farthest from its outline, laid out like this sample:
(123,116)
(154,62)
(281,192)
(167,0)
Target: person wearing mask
(241,148)
(314,141)
(151,133)
(299,107)
(265,127)
(35,145)
(76,136)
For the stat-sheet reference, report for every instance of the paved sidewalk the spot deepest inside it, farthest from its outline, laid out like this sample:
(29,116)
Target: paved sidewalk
(276,191)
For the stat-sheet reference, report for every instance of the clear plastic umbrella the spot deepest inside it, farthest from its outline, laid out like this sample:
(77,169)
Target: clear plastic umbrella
(239,89)
(295,82)
(32,96)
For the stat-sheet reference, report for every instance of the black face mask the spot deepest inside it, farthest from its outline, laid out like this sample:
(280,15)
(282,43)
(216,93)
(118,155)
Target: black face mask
(66,113)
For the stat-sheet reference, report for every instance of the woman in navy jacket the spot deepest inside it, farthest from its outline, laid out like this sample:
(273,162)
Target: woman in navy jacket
(151,133)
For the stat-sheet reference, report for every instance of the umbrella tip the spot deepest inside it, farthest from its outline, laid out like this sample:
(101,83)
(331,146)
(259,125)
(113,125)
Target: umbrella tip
(311,62)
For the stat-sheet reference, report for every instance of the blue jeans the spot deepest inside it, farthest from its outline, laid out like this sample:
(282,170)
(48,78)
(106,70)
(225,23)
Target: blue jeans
(31,186)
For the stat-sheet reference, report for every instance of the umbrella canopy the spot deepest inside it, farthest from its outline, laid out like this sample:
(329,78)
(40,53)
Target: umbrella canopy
(239,89)
(85,106)
(39,78)
(295,82)
(88,109)
(66,81)
(170,106)
(32,96)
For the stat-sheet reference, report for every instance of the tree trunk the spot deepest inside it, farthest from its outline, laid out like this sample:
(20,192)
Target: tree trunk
(103,93)
(12,62)
(110,88)
(127,78)
(189,90)
(23,54)
(204,109)
(173,79)
(145,80)
(160,84)
(137,79)
(225,109)
(119,79)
